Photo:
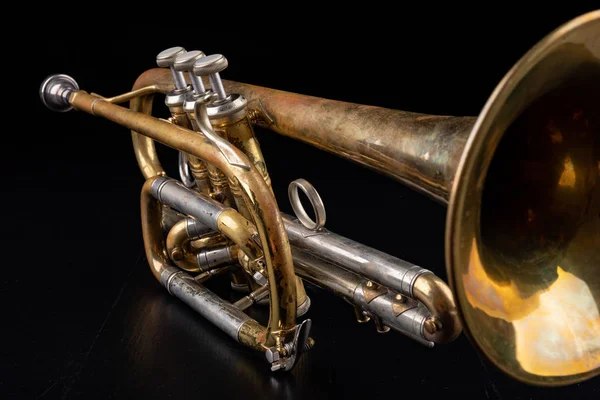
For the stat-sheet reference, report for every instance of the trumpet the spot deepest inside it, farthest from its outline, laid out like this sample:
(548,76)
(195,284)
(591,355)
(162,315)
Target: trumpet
(521,182)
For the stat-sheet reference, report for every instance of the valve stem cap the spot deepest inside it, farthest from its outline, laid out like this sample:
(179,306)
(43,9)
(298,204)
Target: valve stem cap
(210,65)
(55,91)
(167,57)
(185,61)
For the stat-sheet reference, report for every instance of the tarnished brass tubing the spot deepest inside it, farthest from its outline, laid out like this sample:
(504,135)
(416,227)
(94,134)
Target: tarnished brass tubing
(144,149)
(178,243)
(241,132)
(419,150)
(218,181)
(238,131)
(236,191)
(214,215)
(218,256)
(243,233)
(402,277)
(404,316)
(200,173)
(122,98)
(175,100)
(220,186)
(143,146)
(230,119)
(228,318)
(200,170)
(209,240)
(257,194)
(161,80)
(233,123)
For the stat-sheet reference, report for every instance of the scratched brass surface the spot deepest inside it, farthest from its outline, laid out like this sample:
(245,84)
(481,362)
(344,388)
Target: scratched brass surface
(419,150)
(240,133)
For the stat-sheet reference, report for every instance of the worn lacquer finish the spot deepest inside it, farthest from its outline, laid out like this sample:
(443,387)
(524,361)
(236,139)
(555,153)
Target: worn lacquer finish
(420,150)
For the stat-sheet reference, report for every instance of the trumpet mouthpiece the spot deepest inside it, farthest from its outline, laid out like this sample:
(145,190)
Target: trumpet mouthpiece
(56,90)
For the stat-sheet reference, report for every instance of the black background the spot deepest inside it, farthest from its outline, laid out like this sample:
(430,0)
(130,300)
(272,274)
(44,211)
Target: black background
(83,316)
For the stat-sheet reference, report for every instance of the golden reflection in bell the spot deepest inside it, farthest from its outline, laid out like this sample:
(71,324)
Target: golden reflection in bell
(567,178)
(534,266)
(557,331)
(498,300)
(562,336)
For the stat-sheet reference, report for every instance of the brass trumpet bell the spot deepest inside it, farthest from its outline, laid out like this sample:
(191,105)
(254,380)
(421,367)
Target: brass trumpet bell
(523,227)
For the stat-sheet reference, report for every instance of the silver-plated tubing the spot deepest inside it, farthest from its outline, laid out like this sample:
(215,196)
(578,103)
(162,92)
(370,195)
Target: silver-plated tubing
(197,83)
(259,294)
(392,272)
(184,171)
(325,275)
(167,273)
(214,257)
(176,98)
(216,310)
(217,85)
(174,194)
(178,78)
(169,218)
(304,307)
(188,107)
(315,201)
(349,286)
(196,229)
(410,322)
(234,108)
